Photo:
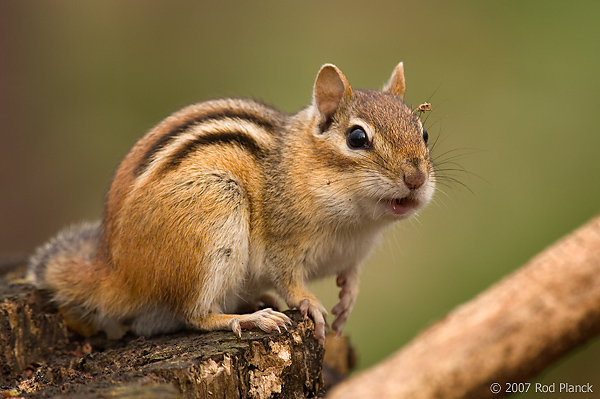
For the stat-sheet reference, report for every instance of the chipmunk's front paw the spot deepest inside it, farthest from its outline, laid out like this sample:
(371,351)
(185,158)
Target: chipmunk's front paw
(266,319)
(314,309)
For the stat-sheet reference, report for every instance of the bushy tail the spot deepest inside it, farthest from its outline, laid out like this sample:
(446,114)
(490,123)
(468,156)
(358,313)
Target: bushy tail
(66,254)
(68,267)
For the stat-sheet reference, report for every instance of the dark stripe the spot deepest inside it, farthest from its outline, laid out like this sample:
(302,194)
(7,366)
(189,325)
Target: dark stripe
(163,140)
(240,139)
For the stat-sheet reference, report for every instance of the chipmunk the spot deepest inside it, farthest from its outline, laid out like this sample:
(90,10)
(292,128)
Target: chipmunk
(227,199)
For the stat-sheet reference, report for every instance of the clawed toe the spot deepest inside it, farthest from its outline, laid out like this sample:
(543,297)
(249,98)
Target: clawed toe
(267,320)
(319,315)
(235,326)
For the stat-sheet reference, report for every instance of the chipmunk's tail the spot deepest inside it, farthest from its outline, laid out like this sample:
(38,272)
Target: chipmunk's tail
(66,254)
(66,267)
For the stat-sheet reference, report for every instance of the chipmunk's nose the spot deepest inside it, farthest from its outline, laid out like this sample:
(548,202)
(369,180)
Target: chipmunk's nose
(414,177)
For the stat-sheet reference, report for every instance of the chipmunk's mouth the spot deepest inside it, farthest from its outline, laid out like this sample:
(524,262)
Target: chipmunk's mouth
(403,206)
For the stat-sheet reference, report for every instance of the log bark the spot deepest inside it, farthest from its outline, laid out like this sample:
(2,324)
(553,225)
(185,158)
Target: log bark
(187,365)
(509,333)
(41,358)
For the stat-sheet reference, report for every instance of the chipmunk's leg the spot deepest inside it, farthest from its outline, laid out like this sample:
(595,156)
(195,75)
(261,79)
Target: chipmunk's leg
(348,282)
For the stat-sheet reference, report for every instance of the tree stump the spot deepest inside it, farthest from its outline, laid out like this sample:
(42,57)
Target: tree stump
(41,358)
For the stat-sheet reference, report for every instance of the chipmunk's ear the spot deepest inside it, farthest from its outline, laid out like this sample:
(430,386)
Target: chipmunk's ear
(331,87)
(396,85)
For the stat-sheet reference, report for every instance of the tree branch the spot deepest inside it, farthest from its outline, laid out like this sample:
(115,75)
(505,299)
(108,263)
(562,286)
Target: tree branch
(509,333)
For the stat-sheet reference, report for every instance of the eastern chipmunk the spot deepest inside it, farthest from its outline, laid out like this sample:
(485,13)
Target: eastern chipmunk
(227,199)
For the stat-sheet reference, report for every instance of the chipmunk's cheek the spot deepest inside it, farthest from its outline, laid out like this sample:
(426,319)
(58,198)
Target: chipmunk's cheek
(403,206)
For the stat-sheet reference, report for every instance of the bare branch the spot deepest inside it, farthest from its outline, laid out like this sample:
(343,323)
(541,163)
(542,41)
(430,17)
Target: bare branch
(509,333)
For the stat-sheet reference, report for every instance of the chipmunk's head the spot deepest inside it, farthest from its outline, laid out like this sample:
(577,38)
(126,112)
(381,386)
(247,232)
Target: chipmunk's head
(376,144)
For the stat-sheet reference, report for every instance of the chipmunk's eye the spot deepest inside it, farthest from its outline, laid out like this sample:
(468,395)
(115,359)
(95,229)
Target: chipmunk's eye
(425,136)
(356,138)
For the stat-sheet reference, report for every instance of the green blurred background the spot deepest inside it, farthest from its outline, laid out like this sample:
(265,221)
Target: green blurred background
(514,87)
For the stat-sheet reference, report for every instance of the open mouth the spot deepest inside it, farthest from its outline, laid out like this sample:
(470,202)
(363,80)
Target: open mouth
(402,206)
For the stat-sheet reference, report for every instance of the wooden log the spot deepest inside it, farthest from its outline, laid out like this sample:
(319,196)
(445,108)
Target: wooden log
(41,358)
